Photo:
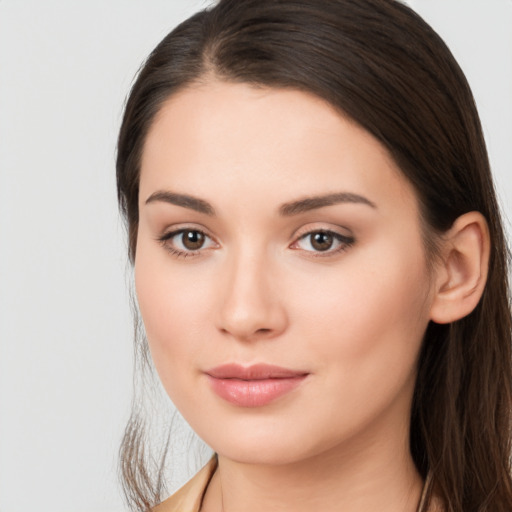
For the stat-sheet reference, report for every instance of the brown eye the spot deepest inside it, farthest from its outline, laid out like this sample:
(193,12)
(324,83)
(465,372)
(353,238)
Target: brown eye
(187,242)
(328,242)
(321,241)
(192,239)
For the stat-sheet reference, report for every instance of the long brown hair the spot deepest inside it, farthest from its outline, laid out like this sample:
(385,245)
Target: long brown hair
(379,63)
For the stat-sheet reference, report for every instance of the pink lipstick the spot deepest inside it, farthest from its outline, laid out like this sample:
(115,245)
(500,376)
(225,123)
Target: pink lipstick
(253,386)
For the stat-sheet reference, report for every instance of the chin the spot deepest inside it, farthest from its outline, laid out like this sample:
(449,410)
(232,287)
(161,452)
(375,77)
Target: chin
(256,454)
(268,444)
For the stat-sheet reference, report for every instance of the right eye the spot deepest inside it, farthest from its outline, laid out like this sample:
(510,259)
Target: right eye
(186,242)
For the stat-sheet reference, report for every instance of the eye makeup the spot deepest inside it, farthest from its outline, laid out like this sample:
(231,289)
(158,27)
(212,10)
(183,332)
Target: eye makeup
(189,242)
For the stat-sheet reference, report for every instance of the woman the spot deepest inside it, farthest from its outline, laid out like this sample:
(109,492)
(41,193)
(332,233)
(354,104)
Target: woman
(319,262)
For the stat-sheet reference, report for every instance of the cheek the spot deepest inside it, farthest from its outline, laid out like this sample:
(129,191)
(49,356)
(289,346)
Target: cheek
(372,312)
(173,308)
(363,331)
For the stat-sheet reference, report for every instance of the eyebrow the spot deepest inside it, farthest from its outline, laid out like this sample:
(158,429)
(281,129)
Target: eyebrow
(312,203)
(184,200)
(286,210)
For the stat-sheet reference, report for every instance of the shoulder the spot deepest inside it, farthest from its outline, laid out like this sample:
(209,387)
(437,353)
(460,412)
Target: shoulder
(188,498)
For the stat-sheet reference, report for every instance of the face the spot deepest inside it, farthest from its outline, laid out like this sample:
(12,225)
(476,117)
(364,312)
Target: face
(280,272)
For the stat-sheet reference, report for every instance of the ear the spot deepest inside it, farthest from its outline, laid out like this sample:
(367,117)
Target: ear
(461,272)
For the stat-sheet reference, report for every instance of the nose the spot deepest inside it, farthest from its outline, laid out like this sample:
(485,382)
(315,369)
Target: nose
(250,305)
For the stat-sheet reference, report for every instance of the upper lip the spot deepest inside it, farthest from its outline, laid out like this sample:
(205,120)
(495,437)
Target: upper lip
(254,372)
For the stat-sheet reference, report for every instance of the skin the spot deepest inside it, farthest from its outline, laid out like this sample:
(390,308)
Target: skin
(257,291)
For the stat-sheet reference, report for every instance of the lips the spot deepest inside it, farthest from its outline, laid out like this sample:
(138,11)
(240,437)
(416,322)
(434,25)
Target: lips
(253,386)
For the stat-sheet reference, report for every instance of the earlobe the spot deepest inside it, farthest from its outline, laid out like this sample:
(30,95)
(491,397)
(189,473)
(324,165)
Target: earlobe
(462,269)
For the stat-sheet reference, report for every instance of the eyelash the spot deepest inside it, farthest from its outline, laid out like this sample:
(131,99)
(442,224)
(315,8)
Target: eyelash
(345,242)
(165,238)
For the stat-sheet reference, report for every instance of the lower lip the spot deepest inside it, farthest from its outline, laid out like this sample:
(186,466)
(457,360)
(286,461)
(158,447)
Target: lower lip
(253,393)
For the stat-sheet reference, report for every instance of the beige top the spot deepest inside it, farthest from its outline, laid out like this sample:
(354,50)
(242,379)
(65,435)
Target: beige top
(190,496)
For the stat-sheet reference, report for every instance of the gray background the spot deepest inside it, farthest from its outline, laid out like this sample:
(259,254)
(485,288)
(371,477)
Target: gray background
(65,326)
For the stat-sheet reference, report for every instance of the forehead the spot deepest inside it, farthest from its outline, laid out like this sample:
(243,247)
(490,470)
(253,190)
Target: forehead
(223,139)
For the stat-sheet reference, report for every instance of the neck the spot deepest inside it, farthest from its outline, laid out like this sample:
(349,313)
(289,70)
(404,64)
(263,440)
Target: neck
(372,473)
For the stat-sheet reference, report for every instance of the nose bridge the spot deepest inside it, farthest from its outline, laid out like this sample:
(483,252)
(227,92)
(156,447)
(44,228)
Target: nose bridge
(251,306)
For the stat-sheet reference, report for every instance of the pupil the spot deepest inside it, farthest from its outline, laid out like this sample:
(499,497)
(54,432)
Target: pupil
(193,240)
(322,241)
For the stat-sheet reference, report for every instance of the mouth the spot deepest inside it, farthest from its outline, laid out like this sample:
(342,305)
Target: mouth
(253,386)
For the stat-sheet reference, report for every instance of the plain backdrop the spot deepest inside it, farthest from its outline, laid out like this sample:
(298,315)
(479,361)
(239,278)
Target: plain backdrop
(65,325)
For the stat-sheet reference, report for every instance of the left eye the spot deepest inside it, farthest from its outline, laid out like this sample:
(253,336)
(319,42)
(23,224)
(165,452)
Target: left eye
(188,240)
(322,241)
